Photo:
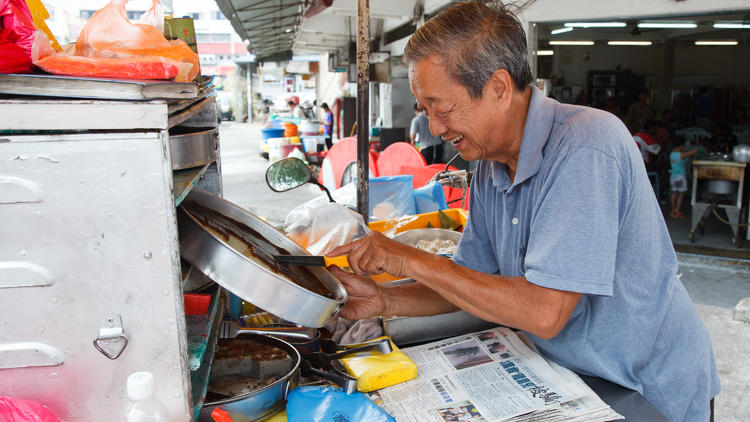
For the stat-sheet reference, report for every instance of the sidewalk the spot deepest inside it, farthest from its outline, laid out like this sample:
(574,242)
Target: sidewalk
(716,285)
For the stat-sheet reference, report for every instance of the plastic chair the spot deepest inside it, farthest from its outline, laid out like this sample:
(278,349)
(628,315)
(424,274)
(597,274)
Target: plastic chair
(398,155)
(338,160)
(693,134)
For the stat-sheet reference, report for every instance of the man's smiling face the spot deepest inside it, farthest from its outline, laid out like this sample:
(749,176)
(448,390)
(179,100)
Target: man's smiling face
(471,125)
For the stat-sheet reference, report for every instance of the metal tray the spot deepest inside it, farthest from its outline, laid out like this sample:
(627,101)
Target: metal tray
(247,278)
(192,147)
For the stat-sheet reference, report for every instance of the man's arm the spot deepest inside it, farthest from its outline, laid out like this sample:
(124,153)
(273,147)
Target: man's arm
(688,153)
(445,286)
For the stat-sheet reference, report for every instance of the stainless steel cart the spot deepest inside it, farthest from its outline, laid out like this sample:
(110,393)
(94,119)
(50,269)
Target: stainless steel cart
(90,274)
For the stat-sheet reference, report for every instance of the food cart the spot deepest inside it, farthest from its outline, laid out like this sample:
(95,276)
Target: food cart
(91,279)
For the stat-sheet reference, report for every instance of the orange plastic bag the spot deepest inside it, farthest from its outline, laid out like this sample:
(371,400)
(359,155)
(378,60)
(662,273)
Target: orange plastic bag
(110,45)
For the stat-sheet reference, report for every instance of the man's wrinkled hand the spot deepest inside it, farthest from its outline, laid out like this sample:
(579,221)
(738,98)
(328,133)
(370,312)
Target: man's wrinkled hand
(365,299)
(375,253)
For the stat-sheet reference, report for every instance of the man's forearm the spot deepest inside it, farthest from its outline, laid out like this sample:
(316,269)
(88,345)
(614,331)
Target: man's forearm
(415,299)
(510,301)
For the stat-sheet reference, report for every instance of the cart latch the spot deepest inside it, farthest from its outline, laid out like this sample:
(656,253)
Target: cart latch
(111,341)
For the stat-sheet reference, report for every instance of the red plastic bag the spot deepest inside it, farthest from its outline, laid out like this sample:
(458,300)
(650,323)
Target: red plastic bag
(16,36)
(110,45)
(18,410)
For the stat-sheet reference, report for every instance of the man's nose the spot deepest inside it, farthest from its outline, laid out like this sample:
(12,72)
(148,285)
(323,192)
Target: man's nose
(437,126)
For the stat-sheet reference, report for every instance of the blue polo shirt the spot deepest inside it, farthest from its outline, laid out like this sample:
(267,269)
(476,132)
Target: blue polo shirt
(581,216)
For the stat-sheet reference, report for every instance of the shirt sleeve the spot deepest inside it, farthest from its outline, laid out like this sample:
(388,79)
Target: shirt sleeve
(574,228)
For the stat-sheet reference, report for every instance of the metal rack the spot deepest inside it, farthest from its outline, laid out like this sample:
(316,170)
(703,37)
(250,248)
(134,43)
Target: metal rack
(90,277)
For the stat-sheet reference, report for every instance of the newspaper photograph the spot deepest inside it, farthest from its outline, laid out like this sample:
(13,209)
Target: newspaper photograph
(489,376)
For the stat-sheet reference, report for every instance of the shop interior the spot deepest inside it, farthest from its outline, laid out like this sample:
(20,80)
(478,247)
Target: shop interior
(695,71)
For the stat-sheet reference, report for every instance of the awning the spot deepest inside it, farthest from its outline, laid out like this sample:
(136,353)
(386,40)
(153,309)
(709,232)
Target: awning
(275,29)
(269,27)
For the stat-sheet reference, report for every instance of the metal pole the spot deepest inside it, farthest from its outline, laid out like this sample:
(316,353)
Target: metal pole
(363,114)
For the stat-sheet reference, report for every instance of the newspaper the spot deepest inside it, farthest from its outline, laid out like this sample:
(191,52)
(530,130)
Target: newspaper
(487,377)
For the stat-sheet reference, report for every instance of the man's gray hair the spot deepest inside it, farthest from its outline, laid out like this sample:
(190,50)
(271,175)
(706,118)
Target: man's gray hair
(475,40)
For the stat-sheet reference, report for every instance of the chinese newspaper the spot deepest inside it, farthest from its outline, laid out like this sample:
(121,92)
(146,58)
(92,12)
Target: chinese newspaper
(487,377)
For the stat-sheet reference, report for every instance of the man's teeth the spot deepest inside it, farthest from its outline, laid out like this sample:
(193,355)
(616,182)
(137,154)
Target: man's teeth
(455,139)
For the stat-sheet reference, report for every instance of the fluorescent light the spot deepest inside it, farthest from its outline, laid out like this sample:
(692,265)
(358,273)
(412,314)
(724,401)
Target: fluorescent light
(545,52)
(571,43)
(595,24)
(709,42)
(731,25)
(560,31)
(666,25)
(629,43)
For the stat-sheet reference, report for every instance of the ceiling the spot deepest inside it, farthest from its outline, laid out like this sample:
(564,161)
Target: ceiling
(632,32)
(276,29)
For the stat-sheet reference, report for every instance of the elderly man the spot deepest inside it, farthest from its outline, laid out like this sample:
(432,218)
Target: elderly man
(565,239)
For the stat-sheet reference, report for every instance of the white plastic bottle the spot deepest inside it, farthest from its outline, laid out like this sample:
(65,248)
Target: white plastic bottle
(143,407)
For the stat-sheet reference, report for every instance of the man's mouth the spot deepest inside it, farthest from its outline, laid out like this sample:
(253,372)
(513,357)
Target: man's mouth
(455,140)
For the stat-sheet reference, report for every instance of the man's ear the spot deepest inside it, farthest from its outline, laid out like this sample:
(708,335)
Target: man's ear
(501,86)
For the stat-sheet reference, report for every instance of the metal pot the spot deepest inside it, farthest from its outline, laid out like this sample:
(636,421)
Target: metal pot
(741,153)
(222,260)
(265,401)
(720,187)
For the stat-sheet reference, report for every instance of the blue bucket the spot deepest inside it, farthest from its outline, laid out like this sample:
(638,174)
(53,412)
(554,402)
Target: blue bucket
(272,133)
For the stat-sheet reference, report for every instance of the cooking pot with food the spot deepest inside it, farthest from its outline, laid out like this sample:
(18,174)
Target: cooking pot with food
(236,249)
(250,377)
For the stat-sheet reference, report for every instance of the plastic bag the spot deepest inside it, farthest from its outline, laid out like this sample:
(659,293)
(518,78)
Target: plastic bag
(346,196)
(19,410)
(429,198)
(16,36)
(326,226)
(110,45)
(391,196)
(325,404)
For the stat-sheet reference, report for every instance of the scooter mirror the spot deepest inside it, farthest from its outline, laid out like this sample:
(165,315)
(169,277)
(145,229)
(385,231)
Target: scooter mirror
(287,174)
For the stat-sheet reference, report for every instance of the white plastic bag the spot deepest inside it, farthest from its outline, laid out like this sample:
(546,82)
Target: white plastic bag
(322,227)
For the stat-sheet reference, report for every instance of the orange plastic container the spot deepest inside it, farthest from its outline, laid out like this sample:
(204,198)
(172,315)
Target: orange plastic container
(290,129)
(419,221)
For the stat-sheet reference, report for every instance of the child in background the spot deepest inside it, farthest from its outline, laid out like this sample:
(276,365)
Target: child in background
(678,177)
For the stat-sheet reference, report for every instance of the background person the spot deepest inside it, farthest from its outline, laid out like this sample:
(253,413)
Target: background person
(638,112)
(327,125)
(565,239)
(431,146)
(678,178)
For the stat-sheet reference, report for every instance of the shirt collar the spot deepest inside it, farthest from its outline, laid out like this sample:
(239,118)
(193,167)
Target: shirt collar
(535,134)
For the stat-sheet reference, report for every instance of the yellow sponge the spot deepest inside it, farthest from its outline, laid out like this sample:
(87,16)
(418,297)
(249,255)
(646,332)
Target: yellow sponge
(375,370)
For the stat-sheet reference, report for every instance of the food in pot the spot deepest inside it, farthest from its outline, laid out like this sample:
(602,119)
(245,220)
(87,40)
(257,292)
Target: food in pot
(230,348)
(235,386)
(243,366)
(254,246)
(439,246)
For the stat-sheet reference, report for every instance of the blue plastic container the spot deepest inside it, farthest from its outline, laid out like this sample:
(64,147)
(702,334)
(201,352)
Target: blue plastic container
(272,133)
